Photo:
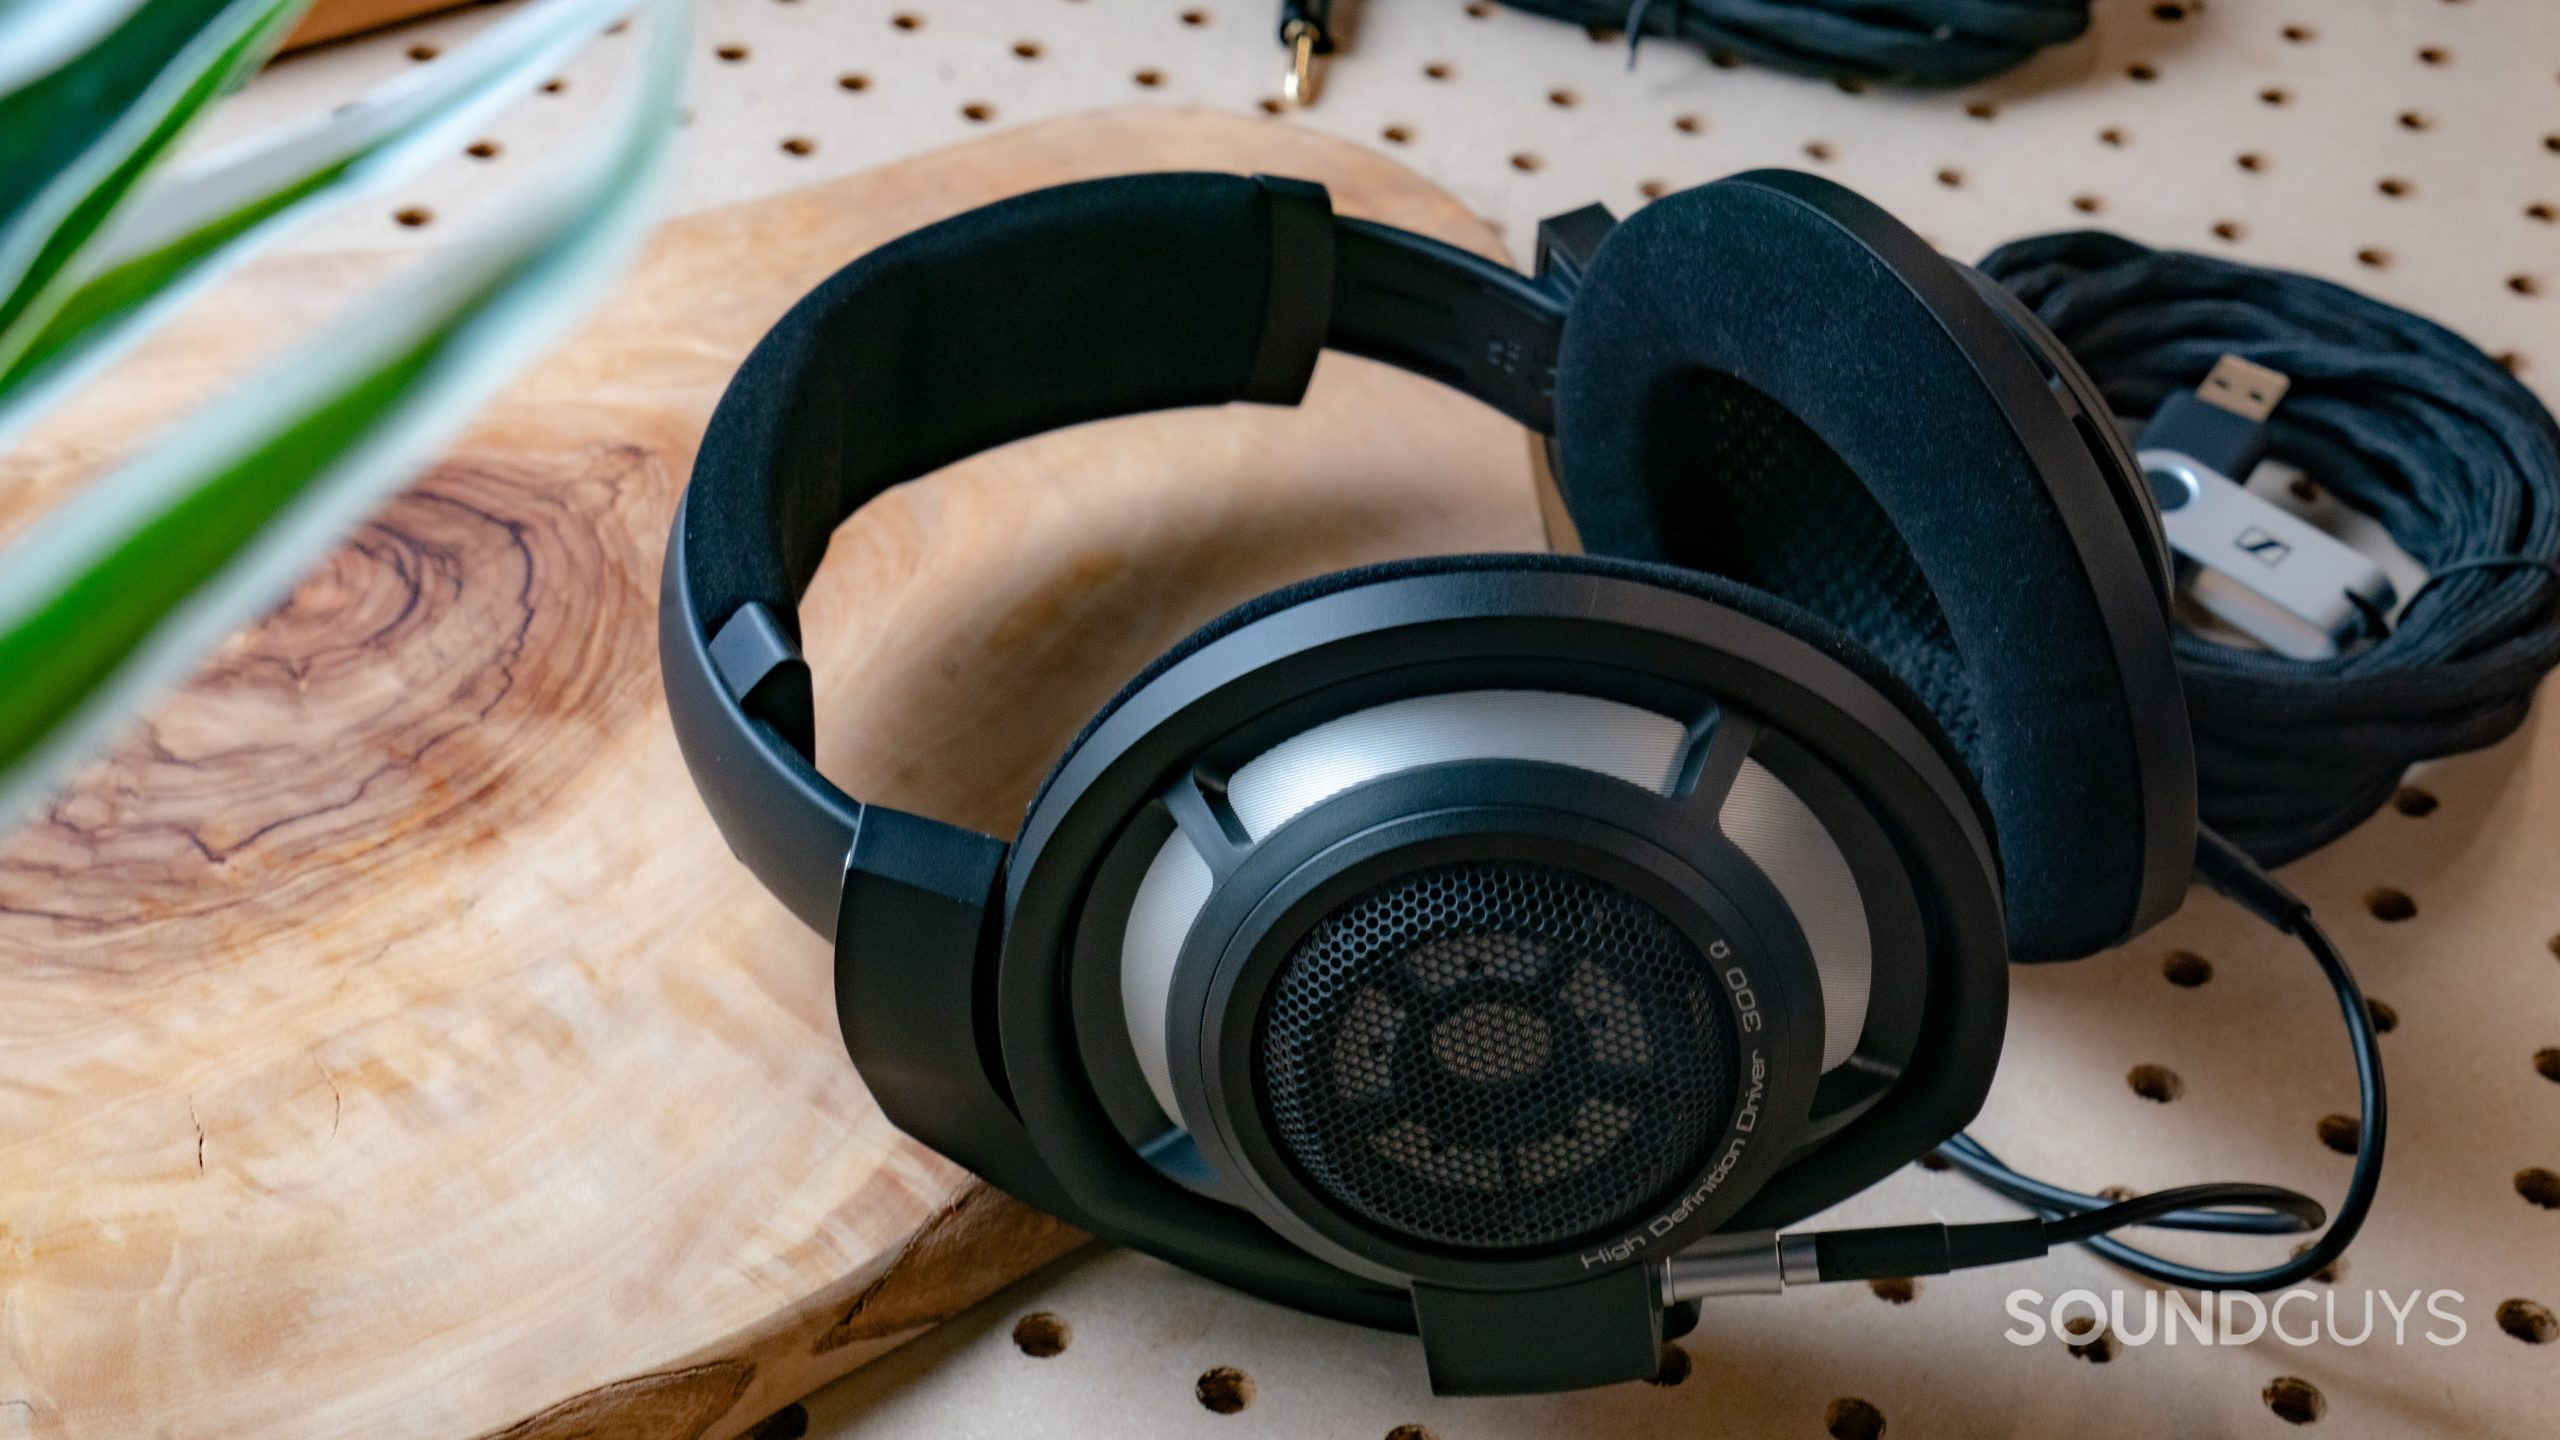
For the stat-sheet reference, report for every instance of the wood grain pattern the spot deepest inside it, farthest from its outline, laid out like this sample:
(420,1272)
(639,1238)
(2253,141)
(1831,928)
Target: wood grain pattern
(387,1044)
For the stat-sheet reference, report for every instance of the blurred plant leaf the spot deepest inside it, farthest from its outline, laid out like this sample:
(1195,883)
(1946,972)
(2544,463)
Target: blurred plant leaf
(36,36)
(186,231)
(120,592)
(77,142)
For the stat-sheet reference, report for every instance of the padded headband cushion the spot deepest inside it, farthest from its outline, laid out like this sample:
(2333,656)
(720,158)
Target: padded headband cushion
(1110,297)
(1752,383)
(1767,609)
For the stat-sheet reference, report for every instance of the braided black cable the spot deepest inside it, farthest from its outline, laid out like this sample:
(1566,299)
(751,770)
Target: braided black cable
(2397,417)
(1911,42)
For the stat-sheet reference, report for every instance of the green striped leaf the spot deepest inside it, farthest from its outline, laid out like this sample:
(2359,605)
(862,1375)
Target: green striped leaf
(115,596)
(187,230)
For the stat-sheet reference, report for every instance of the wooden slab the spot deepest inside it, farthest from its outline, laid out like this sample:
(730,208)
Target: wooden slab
(388,1046)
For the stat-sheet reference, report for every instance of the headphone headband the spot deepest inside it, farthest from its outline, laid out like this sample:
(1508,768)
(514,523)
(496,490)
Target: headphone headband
(1105,298)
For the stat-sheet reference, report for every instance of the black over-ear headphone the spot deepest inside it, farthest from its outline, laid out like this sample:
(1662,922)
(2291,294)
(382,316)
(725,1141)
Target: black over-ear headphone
(1500,944)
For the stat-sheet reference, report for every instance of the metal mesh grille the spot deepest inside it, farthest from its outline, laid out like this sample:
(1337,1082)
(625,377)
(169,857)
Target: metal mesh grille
(1496,1056)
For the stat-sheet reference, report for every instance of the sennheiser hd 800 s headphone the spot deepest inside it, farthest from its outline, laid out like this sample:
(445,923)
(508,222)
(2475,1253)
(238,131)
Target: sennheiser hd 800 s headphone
(1499,945)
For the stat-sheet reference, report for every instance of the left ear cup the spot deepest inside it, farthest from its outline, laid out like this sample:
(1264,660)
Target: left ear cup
(1386,906)
(1769,379)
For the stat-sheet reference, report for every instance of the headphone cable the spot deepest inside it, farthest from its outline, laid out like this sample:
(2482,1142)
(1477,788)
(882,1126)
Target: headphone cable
(1762,1261)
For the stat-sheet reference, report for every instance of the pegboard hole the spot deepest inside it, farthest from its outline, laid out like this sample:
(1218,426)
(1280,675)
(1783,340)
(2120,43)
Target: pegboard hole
(1195,18)
(423,53)
(2414,802)
(1439,70)
(1272,105)
(1653,189)
(2275,95)
(2416,120)
(2327,1274)
(1223,1389)
(1042,1334)
(1026,49)
(1895,1290)
(2340,1132)
(1850,85)
(2387,904)
(977,112)
(2435,55)
(2511,361)
(1476,10)
(414,217)
(2141,73)
(1563,99)
(2394,186)
(2300,34)
(2115,135)
(2186,969)
(1413,1432)
(855,81)
(555,85)
(1528,162)
(2524,285)
(1850,1418)
(1951,177)
(1147,79)
(2551,143)
(2230,230)
(2539,1187)
(2547,213)
(1818,150)
(1397,135)
(2100,1350)
(2385,1019)
(2156,1083)
(1983,110)
(2529,1321)
(1724,59)
(1670,1368)
(2088,204)
(2302,488)
(1935,1161)
(732,54)
(2296,1401)
(2250,160)
(2546,1063)
(482,149)
(907,20)
(1697,125)
(799,145)
(2374,257)
(2169,12)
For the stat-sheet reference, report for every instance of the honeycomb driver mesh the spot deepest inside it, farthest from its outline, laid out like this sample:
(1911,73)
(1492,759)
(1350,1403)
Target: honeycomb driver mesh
(1495,1056)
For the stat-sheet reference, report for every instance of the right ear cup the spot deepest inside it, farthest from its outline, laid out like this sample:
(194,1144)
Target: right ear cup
(1385,909)
(1769,379)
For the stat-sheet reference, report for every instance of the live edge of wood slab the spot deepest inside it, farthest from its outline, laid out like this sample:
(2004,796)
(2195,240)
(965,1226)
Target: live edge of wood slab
(388,1045)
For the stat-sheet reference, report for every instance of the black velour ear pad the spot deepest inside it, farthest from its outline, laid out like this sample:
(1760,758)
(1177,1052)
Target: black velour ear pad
(1768,609)
(1758,379)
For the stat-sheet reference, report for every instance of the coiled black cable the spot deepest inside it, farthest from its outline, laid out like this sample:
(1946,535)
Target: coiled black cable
(2397,417)
(1910,42)
(2072,1216)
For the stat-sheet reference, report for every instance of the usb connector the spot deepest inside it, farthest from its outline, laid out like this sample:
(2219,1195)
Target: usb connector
(2253,564)
(2245,388)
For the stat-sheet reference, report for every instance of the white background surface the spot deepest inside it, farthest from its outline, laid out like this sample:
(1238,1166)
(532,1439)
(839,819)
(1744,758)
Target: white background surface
(2242,142)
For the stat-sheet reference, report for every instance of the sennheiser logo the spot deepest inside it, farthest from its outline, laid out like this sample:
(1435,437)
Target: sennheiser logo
(2266,549)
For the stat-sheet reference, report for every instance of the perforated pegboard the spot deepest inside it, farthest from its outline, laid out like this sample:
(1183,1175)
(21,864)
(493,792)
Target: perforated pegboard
(2409,147)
